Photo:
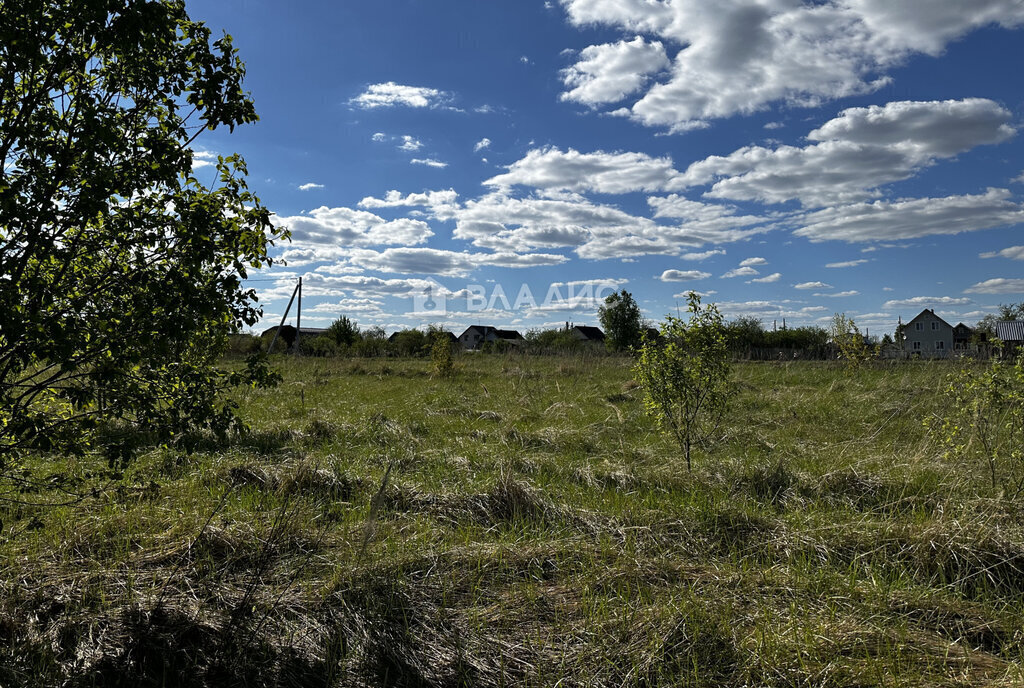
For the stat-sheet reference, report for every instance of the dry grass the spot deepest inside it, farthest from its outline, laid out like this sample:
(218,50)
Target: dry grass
(523,524)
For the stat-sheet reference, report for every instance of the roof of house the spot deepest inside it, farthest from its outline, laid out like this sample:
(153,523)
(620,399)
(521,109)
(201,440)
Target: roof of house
(1010,330)
(931,312)
(590,332)
(304,331)
(487,329)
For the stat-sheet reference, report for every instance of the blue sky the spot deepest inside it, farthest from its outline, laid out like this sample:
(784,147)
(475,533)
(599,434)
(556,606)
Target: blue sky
(522,158)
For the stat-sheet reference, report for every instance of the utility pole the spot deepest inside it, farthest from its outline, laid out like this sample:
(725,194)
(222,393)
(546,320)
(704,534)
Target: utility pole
(298,319)
(288,308)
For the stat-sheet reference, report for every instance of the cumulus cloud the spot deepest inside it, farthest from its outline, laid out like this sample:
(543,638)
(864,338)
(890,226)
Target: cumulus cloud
(997,285)
(201,159)
(337,228)
(431,261)
(611,173)
(774,277)
(703,255)
(1013,253)
(847,263)
(739,56)
(740,272)
(429,162)
(840,294)
(749,262)
(390,94)
(812,285)
(926,302)
(481,144)
(911,218)
(310,186)
(410,143)
(443,204)
(683,275)
(610,72)
(856,152)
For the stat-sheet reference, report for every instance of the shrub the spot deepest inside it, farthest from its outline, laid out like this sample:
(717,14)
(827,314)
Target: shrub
(685,377)
(441,352)
(986,419)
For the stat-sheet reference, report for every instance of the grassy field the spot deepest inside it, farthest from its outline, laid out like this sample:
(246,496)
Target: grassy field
(523,524)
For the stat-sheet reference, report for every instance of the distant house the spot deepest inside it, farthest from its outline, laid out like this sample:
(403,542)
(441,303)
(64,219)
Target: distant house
(928,336)
(1011,332)
(289,334)
(587,333)
(476,336)
(962,335)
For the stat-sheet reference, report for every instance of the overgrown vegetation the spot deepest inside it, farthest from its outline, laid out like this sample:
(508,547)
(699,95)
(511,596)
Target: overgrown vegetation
(534,529)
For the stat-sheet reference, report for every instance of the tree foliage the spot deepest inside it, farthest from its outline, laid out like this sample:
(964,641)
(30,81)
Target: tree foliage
(686,376)
(441,352)
(121,272)
(849,341)
(985,419)
(620,318)
(343,331)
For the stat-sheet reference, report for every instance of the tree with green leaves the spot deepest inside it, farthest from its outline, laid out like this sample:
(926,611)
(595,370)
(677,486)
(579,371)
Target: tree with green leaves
(620,318)
(984,420)
(849,341)
(121,271)
(343,331)
(685,376)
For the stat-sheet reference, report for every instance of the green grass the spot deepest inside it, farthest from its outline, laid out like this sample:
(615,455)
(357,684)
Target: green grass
(534,529)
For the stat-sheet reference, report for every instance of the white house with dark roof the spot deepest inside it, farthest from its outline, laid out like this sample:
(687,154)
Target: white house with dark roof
(475,336)
(928,336)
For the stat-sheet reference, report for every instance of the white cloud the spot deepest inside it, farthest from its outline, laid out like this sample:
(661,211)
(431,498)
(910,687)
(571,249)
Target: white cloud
(433,261)
(201,159)
(812,285)
(337,228)
(749,262)
(997,285)
(847,263)
(683,275)
(926,302)
(855,153)
(390,94)
(481,144)
(310,186)
(840,294)
(498,222)
(774,277)
(410,143)
(740,272)
(611,173)
(911,218)
(442,204)
(379,137)
(610,72)
(429,162)
(703,255)
(1013,253)
(738,56)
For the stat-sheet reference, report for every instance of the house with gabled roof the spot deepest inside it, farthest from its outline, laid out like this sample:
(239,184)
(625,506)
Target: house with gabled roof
(928,336)
(476,336)
(587,333)
(1011,333)
(962,335)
